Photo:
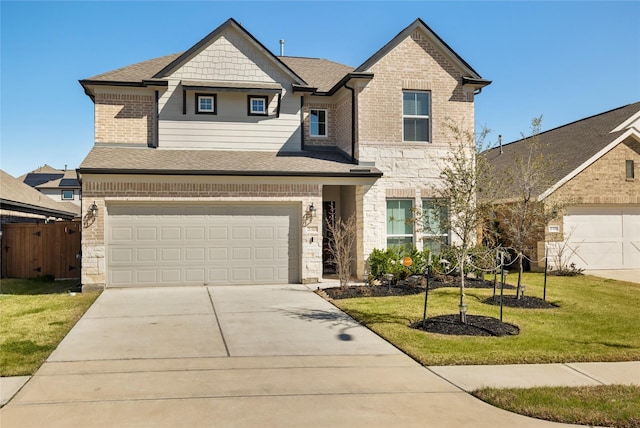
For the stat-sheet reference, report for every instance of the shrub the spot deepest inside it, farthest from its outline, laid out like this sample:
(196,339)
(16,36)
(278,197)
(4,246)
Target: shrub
(389,261)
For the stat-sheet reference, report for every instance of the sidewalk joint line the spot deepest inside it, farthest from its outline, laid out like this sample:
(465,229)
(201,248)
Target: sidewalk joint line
(568,365)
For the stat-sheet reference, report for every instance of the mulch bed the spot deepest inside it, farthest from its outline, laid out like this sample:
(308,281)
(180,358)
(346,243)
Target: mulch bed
(526,302)
(381,290)
(476,326)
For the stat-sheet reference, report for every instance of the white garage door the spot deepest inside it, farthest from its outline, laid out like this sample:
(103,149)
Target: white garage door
(601,237)
(202,244)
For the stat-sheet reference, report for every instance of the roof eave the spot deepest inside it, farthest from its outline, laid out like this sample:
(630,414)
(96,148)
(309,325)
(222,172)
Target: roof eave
(34,209)
(355,172)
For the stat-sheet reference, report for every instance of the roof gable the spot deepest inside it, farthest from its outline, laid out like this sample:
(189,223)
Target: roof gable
(436,41)
(253,61)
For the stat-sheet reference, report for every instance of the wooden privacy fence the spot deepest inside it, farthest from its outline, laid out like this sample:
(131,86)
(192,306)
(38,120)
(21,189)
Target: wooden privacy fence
(35,249)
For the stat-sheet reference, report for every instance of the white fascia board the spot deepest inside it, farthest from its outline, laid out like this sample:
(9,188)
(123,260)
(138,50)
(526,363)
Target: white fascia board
(632,122)
(632,132)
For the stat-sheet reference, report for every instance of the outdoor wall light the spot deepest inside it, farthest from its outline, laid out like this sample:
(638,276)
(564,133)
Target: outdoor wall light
(312,210)
(93,209)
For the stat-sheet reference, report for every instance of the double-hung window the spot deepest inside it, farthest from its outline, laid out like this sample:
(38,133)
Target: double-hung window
(399,222)
(317,123)
(435,220)
(416,115)
(206,104)
(67,195)
(257,105)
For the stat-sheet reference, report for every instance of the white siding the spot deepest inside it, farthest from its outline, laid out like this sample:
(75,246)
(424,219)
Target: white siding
(232,128)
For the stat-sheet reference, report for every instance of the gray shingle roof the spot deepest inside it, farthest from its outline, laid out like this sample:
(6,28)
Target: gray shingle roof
(110,159)
(318,73)
(136,72)
(568,146)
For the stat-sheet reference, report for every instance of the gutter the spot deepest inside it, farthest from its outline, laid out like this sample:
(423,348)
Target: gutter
(353,172)
(34,209)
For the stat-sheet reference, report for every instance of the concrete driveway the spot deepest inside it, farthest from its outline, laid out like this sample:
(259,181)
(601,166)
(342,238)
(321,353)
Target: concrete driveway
(242,356)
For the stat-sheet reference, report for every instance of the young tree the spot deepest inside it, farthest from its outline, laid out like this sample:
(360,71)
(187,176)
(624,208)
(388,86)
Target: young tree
(523,214)
(460,184)
(342,236)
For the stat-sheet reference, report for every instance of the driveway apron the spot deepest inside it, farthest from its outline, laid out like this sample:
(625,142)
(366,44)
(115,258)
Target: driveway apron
(236,356)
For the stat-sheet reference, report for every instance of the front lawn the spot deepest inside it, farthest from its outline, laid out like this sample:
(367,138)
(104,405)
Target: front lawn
(603,405)
(596,320)
(35,317)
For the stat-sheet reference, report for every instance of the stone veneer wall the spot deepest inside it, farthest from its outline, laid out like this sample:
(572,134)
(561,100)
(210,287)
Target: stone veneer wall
(124,118)
(103,192)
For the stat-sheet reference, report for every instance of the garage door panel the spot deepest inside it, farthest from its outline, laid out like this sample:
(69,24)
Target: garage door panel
(208,244)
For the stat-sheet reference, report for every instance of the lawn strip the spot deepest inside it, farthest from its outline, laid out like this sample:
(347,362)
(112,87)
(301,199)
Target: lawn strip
(602,405)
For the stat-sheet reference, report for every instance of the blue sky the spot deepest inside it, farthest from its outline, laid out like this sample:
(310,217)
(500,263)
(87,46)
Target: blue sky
(562,60)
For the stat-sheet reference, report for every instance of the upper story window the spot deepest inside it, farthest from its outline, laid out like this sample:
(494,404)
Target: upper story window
(67,195)
(206,104)
(399,222)
(630,167)
(257,105)
(317,123)
(416,116)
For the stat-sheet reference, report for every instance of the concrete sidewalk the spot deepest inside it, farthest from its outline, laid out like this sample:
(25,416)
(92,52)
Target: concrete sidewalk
(238,356)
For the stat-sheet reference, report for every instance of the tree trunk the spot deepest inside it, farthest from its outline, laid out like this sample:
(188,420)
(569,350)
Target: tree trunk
(519,289)
(463,306)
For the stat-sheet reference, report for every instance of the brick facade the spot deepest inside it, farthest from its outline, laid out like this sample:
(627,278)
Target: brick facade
(411,169)
(124,118)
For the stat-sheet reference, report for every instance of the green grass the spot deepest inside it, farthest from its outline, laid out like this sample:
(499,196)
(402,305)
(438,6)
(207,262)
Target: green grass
(605,405)
(35,316)
(597,320)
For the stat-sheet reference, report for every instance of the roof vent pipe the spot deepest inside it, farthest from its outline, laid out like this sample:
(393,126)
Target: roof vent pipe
(281,47)
(500,142)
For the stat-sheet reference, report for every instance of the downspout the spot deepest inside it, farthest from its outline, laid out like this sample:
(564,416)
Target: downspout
(156,137)
(302,122)
(353,123)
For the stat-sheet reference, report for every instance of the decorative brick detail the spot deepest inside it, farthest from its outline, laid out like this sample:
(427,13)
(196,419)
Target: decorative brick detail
(197,190)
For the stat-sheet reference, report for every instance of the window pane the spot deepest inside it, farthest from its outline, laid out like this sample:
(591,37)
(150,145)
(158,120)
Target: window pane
(630,173)
(422,103)
(399,217)
(422,129)
(318,122)
(404,241)
(206,104)
(409,103)
(435,216)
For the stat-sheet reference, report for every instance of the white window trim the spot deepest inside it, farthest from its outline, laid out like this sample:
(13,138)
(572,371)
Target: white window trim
(214,108)
(414,116)
(265,104)
(73,195)
(326,123)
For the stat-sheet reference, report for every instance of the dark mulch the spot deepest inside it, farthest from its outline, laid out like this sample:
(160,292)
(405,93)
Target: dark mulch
(381,290)
(476,326)
(526,302)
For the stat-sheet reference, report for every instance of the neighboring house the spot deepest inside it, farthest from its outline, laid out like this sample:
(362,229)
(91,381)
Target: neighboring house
(59,185)
(594,166)
(220,164)
(20,203)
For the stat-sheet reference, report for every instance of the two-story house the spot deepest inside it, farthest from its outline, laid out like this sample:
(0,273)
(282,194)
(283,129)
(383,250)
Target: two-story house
(219,164)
